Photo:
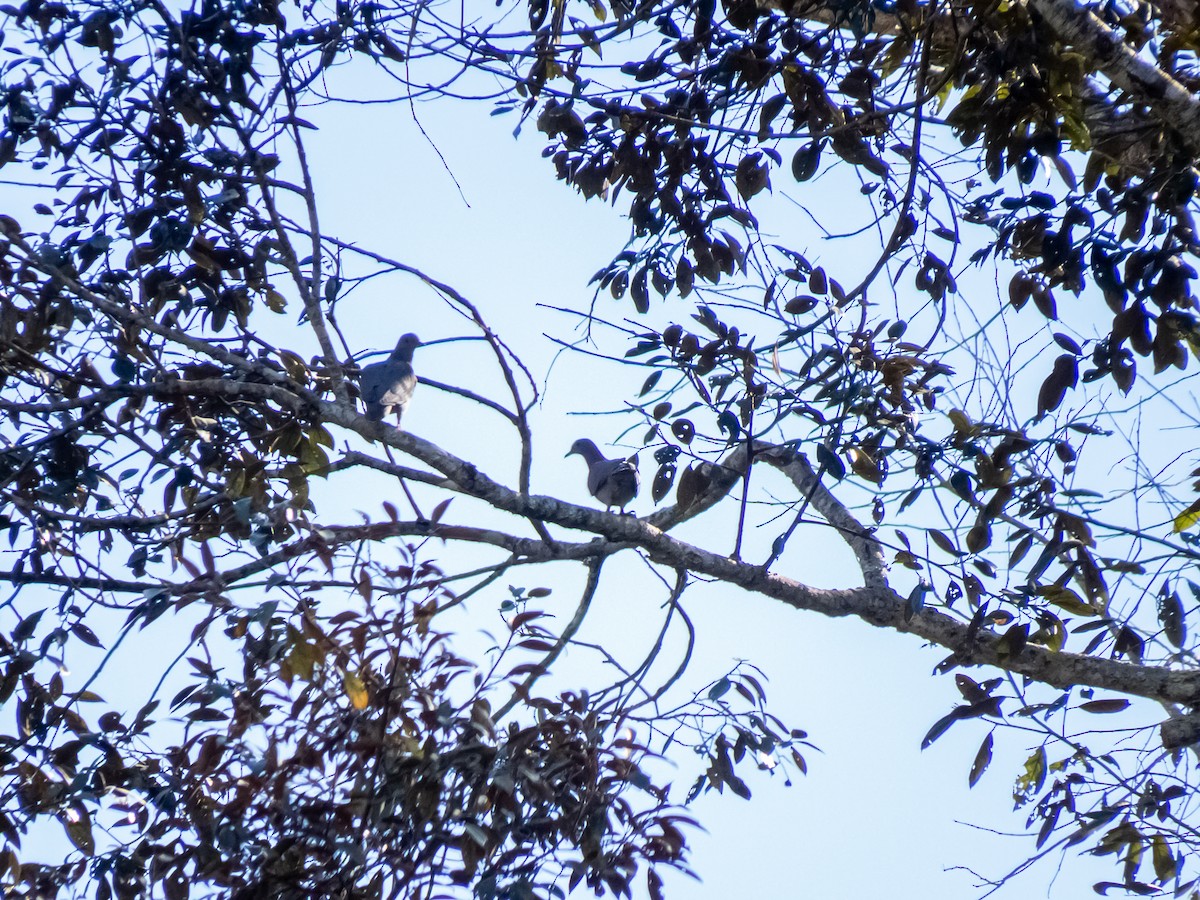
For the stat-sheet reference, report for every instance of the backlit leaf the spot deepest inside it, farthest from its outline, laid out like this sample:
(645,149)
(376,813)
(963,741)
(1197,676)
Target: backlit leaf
(355,690)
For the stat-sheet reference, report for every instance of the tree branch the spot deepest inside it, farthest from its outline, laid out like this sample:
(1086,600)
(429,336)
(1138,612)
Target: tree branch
(1171,104)
(521,692)
(1169,100)
(874,603)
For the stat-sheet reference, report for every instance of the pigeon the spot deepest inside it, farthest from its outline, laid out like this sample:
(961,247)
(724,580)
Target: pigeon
(388,386)
(614,482)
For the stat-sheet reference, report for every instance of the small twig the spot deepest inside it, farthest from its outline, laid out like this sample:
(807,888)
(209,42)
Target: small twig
(585,602)
(741,526)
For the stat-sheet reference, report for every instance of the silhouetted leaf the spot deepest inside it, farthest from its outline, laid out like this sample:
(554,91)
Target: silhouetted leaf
(806,160)
(831,462)
(983,758)
(684,430)
(1054,389)
(663,480)
(1104,706)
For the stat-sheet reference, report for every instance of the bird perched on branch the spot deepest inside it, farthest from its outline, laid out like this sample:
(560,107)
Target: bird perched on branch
(387,386)
(614,482)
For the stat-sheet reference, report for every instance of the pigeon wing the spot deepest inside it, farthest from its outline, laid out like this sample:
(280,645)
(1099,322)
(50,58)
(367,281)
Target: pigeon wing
(385,386)
(372,383)
(399,387)
(616,482)
(598,473)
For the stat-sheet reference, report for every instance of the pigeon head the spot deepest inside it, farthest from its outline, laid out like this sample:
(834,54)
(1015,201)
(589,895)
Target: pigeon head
(405,347)
(585,448)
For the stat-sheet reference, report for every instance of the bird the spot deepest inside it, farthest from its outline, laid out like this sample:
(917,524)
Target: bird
(614,482)
(387,386)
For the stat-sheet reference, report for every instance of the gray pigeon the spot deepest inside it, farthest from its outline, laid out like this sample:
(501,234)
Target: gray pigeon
(388,386)
(614,482)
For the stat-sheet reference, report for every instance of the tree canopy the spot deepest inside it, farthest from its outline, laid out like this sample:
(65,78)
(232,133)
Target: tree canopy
(985,411)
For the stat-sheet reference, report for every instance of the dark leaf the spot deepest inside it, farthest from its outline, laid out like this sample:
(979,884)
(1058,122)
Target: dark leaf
(983,758)
(940,727)
(916,600)
(1170,615)
(800,304)
(728,424)
(1128,643)
(1013,641)
(684,430)
(1062,377)
(979,537)
(944,543)
(639,291)
(663,480)
(831,462)
(1067,344)
(649,384)
(719,689)
(752,176)
(691,484)
(1104,706)
(806,160)
(26,627)
(440,510)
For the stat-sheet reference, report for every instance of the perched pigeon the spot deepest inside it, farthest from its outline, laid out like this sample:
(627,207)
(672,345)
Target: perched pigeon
(614,482)
(388,386)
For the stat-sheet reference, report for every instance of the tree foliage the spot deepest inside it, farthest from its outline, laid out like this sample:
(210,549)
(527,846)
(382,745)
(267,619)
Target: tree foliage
(164,430)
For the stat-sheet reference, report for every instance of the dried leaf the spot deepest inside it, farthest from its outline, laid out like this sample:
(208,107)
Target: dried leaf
(355,690)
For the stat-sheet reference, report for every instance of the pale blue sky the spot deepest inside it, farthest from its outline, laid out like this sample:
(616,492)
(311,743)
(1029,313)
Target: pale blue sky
(875,815)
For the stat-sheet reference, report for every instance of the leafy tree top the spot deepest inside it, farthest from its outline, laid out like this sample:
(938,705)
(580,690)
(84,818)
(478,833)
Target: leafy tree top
(159,449)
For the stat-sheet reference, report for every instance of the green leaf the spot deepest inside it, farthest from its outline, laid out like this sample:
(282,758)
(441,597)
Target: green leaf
(1164,861)
(78,826)
(806,161)
(1030,782)
(355,690)
(1065,598)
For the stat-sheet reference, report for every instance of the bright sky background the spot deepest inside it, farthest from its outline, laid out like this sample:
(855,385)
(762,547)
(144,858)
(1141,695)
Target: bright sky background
(875,815)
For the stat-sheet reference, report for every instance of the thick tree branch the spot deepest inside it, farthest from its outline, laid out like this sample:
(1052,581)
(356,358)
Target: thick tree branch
(719,480)
(357,458)
(1170,101)
(861,539)
(874,603)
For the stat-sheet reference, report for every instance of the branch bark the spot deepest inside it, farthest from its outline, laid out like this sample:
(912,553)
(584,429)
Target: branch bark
(1169,100)
(875,604)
